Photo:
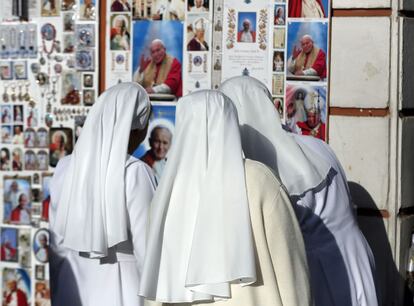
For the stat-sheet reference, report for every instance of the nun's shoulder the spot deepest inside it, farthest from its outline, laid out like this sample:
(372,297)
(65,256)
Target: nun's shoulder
(260,173)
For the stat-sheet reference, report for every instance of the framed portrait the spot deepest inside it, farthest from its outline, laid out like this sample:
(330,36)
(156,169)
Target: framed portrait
(60,144)
(30,160)
(6,70)
(29,138)
(39,272)
(41,245)
(246,27)
(6,114)
(71,84)
(25,252)
(170,33)
(17,162)
(42,138)
(305,109)
(16,199)
(87,9)
(68,5)
(120,32)
(19,279)
(6,134)
(42,160)
(9,244)
(279,15)
(88,97)
(20,70)
(278,85)
(160,130)
(307,49)
(4,159)
(88,80)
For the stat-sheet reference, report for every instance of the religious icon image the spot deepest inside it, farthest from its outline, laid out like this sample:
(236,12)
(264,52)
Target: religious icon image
(87,9)
(278,102)
(9,244)
(85,35)
(68,4)
(198,6)
(17,162)
(85,59)
(69,43)
(120,6)
(167,10)
(41,245)
(6,114)
(32,118)
(278,61)
(60,144)
(157,58)
(18,136)
(20,70)
(42,136)
(197,35)
(6,70)
(42,160)
(308,8)
(25,251)
(154,149)
(16,287)
(42,293)
(306,110)
(278,84)
(46,177)
(280,14)
(246,32)
(16,199)
(4,159)
(30,160)
(50,8)
(29,138)
(307,51)
(40,272)
(88,97)
(6,134)
(120,32)
(18,113)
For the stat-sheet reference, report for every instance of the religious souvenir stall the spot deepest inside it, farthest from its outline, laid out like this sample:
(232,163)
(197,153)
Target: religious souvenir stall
(49,77)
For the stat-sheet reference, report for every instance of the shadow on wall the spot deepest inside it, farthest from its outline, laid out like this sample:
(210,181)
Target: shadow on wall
(373,229)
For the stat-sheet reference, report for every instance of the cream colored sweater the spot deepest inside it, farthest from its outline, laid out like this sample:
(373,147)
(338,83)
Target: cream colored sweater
(282,271)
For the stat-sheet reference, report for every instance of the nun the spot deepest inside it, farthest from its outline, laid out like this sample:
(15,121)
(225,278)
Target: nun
(340,261)
(100,197)
(221,228)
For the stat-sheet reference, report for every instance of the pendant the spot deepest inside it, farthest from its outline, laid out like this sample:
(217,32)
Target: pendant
(35,67)
(42,60)
(49,119)
(20,95)
(13,94)
(5,94)
(27,95)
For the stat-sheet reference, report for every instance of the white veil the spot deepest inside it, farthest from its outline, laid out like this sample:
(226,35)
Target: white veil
(264,139)
(91,214)
(200,238)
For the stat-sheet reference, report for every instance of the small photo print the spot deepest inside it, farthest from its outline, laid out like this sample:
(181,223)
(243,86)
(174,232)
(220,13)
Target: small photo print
(42,161)
(278,61)
(42,138)
(18,135)
(25,252)
(87,9)
(20,70)
(30,161)
(246,32)
(30,138)
(4,159)
(68,22)
(17,205)
(18,114)
(42,293)
(39,272)
(6,70)
(41,245)
(6,134)
(280,15)
(50,8)
(69,43)
(198,6)
(88,97)
(17,163)
(85,35)
(278,84)
(6,114)
(279,38)
(60,144)
(88,80)
(278,102)
(16,280)
(9,244)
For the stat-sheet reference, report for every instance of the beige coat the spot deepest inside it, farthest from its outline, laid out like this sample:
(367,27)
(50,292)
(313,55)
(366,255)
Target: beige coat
(282,271)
